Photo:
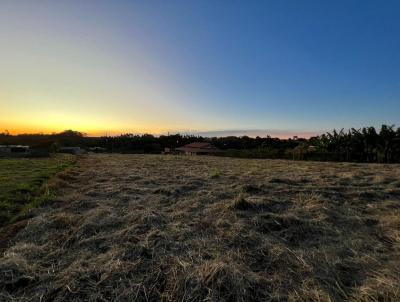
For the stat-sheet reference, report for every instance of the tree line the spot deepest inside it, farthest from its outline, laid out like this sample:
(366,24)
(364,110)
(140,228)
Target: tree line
(354,145)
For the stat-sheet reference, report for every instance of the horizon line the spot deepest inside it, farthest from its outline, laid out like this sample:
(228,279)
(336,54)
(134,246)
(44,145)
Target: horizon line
(275,133)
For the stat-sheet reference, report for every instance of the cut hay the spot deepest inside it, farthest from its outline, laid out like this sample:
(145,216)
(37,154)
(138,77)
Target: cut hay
(154,228)
(240,203)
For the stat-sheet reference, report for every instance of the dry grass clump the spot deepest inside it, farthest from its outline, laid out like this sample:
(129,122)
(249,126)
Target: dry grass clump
(216,281)
(250,189)
(379,286)
(17,272)
(240,203)
(215,173)
(155,228)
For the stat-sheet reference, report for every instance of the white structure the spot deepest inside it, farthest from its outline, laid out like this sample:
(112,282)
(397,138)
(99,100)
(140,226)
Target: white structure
(13,149)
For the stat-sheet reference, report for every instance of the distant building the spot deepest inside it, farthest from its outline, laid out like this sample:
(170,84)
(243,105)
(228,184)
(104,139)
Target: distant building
(98,149)
(13,150)
(72,150)
(167,151)
(4,150)
(198,148)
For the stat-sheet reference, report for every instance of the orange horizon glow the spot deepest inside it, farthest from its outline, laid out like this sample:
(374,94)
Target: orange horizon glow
(94,133)
(15,130)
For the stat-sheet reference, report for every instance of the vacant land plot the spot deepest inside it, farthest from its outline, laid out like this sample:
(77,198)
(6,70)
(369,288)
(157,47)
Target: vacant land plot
(150,228)
(21,183)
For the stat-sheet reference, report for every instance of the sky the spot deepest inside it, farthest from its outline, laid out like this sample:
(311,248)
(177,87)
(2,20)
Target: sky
(213,67)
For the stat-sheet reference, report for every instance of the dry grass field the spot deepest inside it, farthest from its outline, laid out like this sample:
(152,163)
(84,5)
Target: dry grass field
(151,228)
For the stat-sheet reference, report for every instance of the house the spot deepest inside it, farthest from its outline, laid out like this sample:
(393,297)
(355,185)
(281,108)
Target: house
(198,148)
(8,150)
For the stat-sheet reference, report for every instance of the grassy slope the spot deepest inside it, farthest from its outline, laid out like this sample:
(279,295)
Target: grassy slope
(151,228)
(22,183)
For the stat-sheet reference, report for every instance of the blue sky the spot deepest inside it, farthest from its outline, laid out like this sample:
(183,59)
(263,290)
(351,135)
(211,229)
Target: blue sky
(158,66)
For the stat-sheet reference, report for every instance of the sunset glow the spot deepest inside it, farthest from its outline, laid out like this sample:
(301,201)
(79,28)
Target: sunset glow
(110,67)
